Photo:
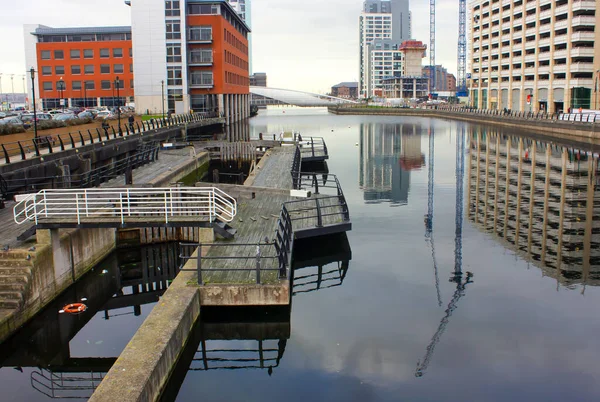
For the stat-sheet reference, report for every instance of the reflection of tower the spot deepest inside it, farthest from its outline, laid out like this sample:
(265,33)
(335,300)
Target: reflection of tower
(538,198)
(387,154)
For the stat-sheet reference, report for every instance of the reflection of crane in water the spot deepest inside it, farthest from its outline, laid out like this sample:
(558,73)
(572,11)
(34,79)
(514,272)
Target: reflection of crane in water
(429,216)
(457,275)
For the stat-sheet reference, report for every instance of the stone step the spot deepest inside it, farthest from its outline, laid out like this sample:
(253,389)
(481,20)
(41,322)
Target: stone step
(16,262)
(13,287)
(16,270)
(10,304)
(10,295)
(19,254)
(16,278)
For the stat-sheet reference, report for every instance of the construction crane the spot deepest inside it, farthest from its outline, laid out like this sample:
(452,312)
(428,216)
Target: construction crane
(429,216)
(461,64)
(457,276)
(431,46)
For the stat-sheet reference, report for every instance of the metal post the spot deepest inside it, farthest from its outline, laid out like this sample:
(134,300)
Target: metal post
(32,72)
(199,264)
(258,264)
(162,84)
(117,84)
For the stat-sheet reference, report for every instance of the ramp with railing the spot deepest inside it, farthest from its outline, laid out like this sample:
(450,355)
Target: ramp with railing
(125,207)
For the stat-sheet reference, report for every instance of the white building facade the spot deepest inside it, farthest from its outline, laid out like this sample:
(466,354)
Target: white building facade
(539,50)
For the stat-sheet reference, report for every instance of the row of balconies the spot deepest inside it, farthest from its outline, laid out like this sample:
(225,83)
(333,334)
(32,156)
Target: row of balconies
(559,11)
(545,29)
(528,58)
(557,68)
(556,83)
(557,40)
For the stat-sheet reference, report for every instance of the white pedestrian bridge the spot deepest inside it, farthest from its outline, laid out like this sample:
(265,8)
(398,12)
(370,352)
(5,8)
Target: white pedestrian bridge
(264,96)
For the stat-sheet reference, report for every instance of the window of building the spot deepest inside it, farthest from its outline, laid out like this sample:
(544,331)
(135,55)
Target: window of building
(104,84)
(172,8)
(173,30)
(75,69)
(131,83)
(59,70)
(131,68)
(199,9)
(45,54)
(47,86)
(104,68)
(173,53)
(59,55)
(118,69)
(90,85)
(89,69)
(200,33)
(46,70)
(76,85)
(174,76)
(104,53)
(88,53)
(75,53)
(119,84)
(201,78)
(130,52)
(117,52)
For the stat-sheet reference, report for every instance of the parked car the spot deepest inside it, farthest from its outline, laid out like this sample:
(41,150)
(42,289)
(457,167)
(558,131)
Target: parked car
(105,114)
(11,120)
(27,118)
(65,117)
(43,116)
(85,115)
(2,115)
(53,112)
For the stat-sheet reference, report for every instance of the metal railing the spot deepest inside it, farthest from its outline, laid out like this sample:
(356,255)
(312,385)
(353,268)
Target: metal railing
(65,385)
(123,204)
(296,167)
(313,146)
(47,144)
(260,253)
(243,358)
(148,153)
(303,180)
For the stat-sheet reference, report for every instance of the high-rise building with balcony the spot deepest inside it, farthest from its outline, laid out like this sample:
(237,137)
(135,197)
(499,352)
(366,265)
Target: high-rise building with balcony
(383,25)
(197,51)
(538,49)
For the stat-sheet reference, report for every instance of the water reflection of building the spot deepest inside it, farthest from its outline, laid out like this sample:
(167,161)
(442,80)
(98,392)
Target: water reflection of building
(539,198)
(388,152)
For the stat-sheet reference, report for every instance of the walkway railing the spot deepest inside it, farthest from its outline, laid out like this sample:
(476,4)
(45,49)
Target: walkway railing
(256,255)
(311,147)
(126,204)
(47,144)
(304,180)
(574,117)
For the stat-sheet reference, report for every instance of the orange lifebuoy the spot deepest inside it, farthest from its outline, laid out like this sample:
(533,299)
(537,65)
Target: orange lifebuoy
(75,308)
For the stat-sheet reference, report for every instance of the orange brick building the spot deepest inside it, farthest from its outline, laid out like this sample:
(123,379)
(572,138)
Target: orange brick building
(82,66)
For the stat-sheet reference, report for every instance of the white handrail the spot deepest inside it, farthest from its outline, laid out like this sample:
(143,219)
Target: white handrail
(126,204)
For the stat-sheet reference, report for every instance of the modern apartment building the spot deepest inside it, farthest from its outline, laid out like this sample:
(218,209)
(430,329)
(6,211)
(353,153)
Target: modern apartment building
(383,26)
(539,49)
(198,50)
(384,59)
(441,77)
(79,66)
(451,83)
(409,83)
(540,199)
(258,80)
(244,9)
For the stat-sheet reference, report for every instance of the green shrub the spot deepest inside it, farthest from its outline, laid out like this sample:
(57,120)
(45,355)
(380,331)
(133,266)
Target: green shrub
(11,129)
(77,122)
(47,124)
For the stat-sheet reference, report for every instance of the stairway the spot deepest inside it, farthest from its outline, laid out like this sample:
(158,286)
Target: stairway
(224,230)
(15,278)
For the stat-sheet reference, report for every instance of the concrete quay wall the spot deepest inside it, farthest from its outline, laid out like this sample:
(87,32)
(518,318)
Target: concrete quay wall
(59,260)
(588,133)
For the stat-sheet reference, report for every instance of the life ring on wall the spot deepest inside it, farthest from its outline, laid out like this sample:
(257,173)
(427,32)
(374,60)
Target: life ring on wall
(74,308)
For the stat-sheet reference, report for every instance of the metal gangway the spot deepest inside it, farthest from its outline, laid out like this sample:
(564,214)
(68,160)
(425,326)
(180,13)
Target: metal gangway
(125,207)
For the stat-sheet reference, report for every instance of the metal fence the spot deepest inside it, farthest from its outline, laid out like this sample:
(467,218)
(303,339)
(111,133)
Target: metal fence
(306,180)
(124,204)
(48,144)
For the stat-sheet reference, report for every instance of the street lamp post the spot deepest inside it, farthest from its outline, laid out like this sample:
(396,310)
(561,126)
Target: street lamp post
(118,105)
(12,88)
(61,88)
(32,72)
(162,84)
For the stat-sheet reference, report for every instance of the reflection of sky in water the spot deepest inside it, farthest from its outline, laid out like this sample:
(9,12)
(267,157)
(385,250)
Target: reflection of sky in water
(512,336)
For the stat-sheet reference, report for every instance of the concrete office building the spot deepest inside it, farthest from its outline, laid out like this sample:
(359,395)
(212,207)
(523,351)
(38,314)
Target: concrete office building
(258,80)
(541,48)
(383,24)
(197,49)
(79,66)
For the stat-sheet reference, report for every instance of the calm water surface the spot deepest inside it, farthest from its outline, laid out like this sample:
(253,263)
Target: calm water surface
(515,332)
(446,298)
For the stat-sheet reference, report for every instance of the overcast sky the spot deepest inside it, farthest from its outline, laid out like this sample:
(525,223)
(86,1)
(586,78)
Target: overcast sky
(307,45)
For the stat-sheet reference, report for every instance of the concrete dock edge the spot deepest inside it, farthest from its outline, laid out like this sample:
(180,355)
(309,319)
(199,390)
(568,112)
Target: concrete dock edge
(144,367)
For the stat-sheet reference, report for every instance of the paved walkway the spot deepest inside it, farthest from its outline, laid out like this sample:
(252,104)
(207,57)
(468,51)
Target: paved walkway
(275,171)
